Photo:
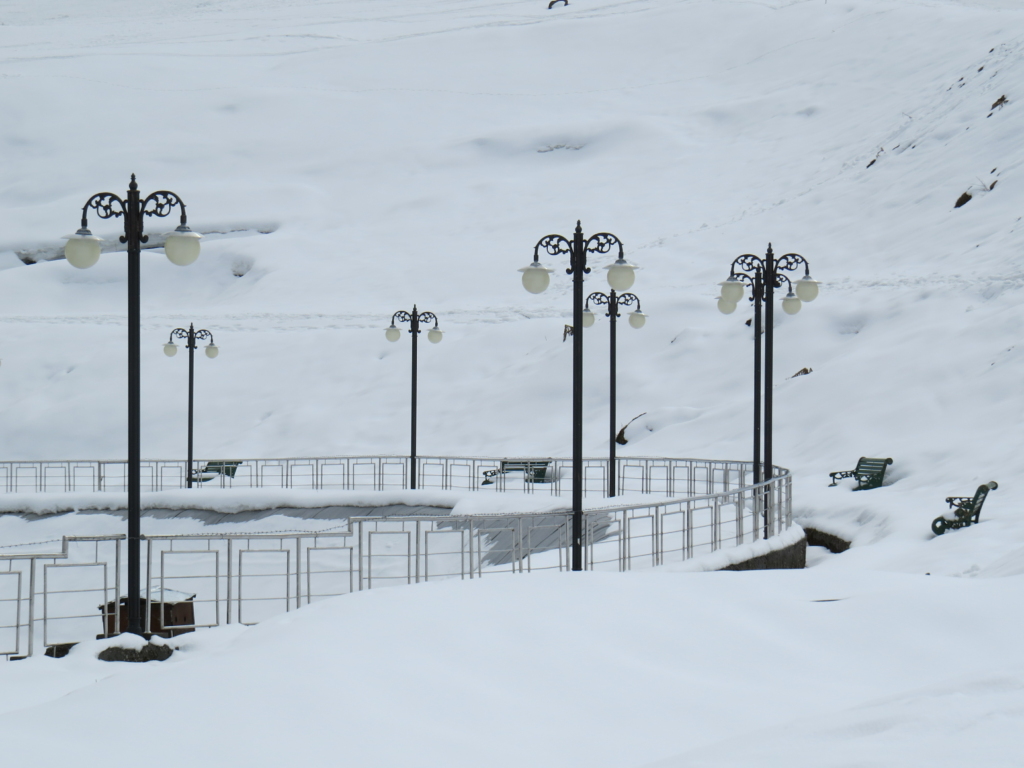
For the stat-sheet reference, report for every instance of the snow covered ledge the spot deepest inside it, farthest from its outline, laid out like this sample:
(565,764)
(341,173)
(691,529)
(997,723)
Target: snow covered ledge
(235,501)
(787,550)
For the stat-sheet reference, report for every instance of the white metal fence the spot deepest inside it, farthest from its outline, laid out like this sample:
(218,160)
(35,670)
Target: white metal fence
(668,477)
(47,599)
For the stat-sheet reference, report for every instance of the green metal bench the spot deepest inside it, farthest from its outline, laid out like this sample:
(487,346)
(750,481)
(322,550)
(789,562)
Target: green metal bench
(869,473)
(533,471)
(214,468)
(968,509)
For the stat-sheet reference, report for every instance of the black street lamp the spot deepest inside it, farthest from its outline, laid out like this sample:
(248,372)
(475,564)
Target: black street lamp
(536,278)
(434,336)
(764,276)
(171,349)
(637,319)
(82,251)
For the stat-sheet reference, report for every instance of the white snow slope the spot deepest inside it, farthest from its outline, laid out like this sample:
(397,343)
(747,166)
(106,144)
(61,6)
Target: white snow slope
(403,151)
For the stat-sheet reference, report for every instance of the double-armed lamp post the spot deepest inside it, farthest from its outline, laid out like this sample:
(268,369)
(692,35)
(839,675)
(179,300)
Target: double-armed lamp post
(82,251)
(536,278)
(171,349)
(637,319)
(434,336)
(764,276)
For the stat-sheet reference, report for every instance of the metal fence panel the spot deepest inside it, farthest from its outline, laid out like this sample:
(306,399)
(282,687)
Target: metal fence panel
(264,584)
(63,596)
(10,613)
(330,571)
(652,475)
(74,595)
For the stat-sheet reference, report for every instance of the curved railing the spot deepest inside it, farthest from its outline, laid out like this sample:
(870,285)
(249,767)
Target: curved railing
(53,596)
(639,474)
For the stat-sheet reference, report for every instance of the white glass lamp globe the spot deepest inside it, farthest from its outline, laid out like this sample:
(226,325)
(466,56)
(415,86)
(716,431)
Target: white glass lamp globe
(621,274)
(170,349)
(791,304)
(732,289)
(82,249)
(726,307)
(806,288)
(588,318)
(536,277)
(182,246)
(637,319)
(212,350)
(392,333)
(434,335)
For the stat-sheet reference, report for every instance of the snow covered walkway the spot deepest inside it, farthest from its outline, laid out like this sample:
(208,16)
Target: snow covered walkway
(784,669)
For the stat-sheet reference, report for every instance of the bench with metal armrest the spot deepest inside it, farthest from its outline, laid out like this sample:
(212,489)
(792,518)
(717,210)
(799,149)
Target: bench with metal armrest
(534,471)
(214,468)
(968,509)
(869,473)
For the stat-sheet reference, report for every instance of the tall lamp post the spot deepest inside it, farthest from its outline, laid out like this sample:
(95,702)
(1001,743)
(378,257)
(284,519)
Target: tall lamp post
(82,251)
(536,278)
(171,349)
(764,276)
(434,336)
(637,319)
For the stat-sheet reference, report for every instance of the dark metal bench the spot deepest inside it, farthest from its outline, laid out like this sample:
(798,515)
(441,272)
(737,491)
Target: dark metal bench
(968,509)
(533,471)
(214,468)
(869,473)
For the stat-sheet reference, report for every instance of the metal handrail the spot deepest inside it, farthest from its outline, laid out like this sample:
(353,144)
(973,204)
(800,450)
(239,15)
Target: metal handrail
(243,577)
(644,474)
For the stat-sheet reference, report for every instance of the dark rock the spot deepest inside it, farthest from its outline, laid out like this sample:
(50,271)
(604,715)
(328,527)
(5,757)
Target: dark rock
(829,541)
(148,652)
(60,650)
(962,200)
(793,556)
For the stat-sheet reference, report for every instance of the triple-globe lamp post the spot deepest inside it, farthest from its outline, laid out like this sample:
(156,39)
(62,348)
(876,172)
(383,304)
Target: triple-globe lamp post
(434,336)
(637,319)
(83,251)
(536,278)
(764,275)
(191,336)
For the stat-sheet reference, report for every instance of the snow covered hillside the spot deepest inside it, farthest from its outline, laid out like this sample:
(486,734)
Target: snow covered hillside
(352,158)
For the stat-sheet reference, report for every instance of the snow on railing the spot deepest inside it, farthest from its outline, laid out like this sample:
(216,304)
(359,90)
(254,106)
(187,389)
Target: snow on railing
(69,596)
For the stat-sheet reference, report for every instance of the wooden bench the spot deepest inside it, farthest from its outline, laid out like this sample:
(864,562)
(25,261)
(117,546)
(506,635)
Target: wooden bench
(869,473)
(214,468)
(533,471)
(968,509)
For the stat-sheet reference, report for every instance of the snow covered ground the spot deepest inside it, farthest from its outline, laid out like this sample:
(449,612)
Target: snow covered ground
(825,667)
(358,157)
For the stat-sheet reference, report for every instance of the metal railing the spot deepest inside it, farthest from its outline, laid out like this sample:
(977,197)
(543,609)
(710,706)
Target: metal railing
(669,477)
(71,595)
(86,570)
